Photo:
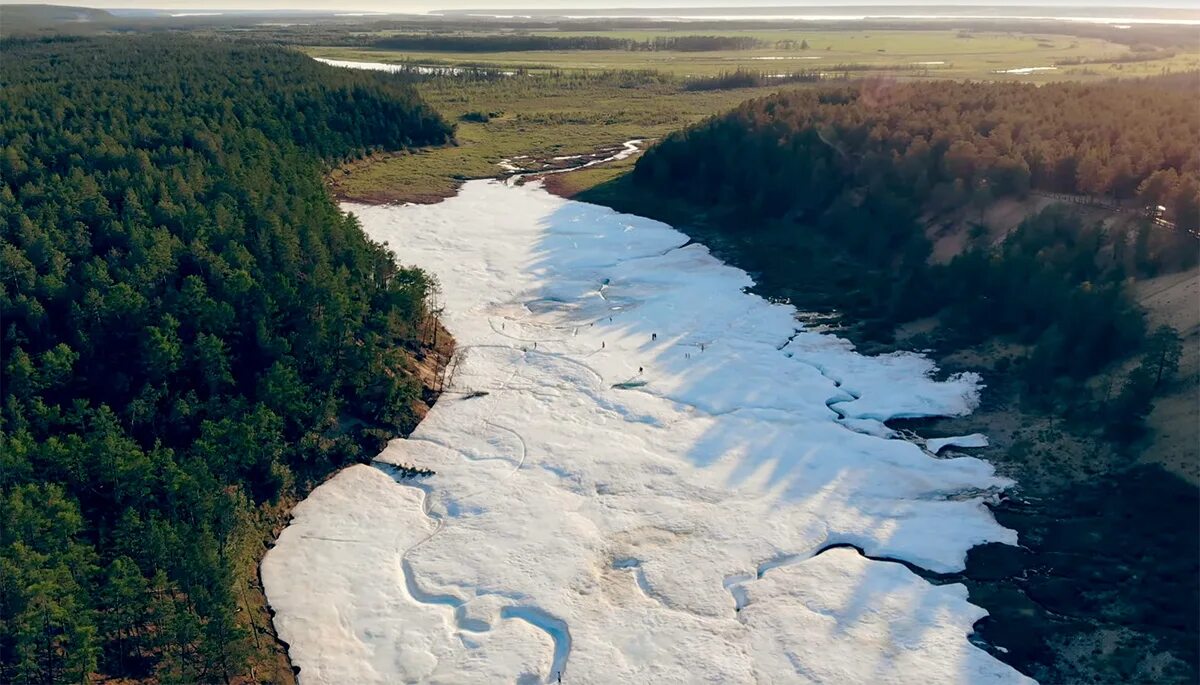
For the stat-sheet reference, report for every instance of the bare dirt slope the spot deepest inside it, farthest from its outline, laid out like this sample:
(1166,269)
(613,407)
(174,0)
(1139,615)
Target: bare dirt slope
(1174,424)
(953,233)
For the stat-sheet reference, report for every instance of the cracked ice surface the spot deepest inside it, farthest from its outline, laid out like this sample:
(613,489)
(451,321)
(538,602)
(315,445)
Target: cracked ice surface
(626,526)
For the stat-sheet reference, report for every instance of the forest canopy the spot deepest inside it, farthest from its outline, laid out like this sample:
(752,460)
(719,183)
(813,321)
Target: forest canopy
(831,190)
(190,328)
(942,144)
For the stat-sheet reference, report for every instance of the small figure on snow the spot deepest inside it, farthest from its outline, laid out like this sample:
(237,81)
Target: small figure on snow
(654,336)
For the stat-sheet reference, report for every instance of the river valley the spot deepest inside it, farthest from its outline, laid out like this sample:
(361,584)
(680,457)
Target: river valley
(642,472)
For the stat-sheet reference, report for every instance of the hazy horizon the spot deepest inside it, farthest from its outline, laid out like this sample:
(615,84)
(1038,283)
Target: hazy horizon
(423,6)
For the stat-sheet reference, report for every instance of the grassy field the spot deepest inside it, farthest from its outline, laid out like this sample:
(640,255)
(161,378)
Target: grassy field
(547,114)
(540,117)
(942,54)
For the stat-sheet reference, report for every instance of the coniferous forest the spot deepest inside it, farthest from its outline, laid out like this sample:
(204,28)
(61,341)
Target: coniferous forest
(191,328)
(840,184)
(193,335)
(942,144)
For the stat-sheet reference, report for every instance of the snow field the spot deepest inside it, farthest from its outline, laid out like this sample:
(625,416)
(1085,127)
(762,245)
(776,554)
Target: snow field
(649,487)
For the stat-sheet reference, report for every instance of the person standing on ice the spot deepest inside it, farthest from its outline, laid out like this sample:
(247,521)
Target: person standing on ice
(654,336)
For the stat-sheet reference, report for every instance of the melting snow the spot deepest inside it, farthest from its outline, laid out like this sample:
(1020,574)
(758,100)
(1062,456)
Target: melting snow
(642,493)
(936,445)
(1024,70)
(628,149)
(405,67)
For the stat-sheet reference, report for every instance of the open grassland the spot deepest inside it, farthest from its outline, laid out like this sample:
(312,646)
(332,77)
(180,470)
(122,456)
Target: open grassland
(538,116)
(938,54)
(571,102)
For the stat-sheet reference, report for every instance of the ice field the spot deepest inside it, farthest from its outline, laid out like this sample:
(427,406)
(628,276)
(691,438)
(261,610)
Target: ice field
(659,485)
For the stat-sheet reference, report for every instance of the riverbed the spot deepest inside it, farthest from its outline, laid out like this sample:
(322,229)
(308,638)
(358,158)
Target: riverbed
(643,473)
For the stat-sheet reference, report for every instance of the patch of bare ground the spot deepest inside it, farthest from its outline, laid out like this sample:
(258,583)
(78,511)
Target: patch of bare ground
(269,662)
(1173,437)
(953,233)
(559,187)
(430,364)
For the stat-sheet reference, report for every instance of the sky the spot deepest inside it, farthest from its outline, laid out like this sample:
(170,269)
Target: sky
(420,6)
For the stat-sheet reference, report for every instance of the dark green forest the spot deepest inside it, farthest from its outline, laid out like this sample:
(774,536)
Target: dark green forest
(746,78)
(191,329)
(836,186)
(941,145)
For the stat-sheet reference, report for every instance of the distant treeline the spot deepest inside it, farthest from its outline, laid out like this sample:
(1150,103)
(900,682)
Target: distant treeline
(748,78)
(191,330)
(436,42)
(837,186)
(1131,57)
(754,78)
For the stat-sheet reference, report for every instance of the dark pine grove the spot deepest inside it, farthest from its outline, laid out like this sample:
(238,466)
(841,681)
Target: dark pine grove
(191,329)
(836,185)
